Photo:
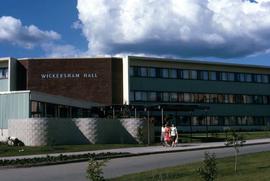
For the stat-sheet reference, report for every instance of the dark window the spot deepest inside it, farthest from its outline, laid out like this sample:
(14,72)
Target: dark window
(258,78)
(131,96)
(143,71)
(249,77)
(173,97)
(165,97)
(265,79)
(3,73)
(173,73)
(185,74)
(152,72)
(152,96)
(213,75)
(193,74)
(164,73)
(131,71)
(224,76)
(231,77)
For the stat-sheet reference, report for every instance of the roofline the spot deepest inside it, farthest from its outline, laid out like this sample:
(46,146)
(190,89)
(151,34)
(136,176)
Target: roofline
(160,59)
(68,58)
(172,60)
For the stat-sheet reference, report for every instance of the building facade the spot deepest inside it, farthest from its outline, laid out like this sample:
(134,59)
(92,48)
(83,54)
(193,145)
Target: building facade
(238,96)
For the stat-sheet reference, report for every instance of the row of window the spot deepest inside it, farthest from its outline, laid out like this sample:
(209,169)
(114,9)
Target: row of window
(174,97)
(3,73)
(223,121)
(172,73)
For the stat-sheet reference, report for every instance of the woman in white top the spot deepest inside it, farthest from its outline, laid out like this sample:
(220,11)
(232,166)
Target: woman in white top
(174,135)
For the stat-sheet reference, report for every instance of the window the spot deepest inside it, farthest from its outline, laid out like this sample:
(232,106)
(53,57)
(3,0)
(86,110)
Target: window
(213,98)
(164,73)
(204,75)
(131,71)
(152,72)
(140,96)
(152,96)
(181,97)
(165,97)
(187,97)
(258,78)
(231,99)
(220,98)
(3,73)
(258,99)
(239,99)
(193,74)
(223,76)
(265,99)
(249,77)
(241,77)
(185,74)
(143,71)
(265,79)
(173,73)
(213,75)
(249,99)
(231,77)
(173,97)
(131,96)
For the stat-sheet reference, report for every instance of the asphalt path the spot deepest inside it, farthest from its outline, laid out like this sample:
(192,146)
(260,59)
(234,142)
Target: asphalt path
(120,166)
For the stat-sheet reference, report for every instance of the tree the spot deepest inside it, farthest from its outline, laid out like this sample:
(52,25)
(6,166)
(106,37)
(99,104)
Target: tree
(208,171)
(235,141)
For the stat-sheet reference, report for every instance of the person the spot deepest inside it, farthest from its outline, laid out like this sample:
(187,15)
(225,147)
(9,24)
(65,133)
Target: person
(162,135)
(167,136)
(174,135)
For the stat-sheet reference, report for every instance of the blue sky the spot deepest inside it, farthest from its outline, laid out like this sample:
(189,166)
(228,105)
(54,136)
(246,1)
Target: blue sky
(218,30)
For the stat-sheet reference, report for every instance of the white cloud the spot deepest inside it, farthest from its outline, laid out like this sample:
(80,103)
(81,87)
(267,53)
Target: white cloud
(58,50)
(12,31)
(220,28)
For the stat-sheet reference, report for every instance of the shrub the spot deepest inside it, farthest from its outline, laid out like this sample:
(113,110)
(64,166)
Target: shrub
(208,171)
(94,170)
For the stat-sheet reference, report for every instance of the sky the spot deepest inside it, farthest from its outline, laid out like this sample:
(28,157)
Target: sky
(234,31)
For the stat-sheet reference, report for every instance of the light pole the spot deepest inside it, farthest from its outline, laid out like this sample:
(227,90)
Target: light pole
(206,122)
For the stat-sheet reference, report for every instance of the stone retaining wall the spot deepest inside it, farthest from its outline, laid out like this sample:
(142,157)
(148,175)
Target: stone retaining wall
(57,131)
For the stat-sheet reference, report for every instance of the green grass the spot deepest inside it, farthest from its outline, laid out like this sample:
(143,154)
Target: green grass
(14,151)
(251,167)
(201,137)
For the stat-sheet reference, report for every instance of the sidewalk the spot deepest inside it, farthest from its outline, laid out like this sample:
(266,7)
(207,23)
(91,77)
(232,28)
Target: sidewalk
(136,151)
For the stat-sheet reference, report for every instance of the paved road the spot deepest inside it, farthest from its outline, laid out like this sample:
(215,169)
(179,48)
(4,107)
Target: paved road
(117,167)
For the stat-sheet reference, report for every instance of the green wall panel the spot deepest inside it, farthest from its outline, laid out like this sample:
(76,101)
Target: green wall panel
(199,86)
(12,106)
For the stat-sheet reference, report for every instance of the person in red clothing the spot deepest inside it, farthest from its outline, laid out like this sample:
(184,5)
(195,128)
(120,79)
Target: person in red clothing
(167,136)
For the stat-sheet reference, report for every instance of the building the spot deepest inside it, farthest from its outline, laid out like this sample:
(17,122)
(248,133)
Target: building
(238,96)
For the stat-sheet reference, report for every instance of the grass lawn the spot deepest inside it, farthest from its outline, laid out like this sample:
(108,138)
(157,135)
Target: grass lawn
(202,137)
(251,167)
(14,151)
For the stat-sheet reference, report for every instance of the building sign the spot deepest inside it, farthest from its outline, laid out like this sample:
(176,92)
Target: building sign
(68,75)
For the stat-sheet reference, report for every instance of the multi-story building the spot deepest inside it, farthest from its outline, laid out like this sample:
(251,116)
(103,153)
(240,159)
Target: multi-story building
(237,95)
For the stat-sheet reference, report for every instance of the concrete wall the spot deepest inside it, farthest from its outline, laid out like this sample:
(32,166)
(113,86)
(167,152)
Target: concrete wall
(3,135)
(53,131)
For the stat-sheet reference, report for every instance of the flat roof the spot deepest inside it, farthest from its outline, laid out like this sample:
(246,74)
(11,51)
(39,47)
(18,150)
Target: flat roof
(160,59)
(172,60)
